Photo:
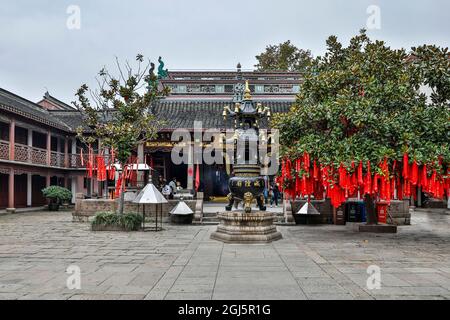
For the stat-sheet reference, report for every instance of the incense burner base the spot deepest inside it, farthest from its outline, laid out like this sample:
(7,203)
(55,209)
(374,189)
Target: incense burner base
(240,227)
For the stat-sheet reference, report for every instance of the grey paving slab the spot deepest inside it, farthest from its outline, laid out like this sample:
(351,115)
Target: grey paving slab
(182,262)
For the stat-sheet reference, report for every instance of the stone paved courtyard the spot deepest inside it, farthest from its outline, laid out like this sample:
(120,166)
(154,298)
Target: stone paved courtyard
(310,262)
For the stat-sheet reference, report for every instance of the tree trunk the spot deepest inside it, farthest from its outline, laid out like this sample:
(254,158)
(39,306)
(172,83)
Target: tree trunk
(371,214)
(122,196)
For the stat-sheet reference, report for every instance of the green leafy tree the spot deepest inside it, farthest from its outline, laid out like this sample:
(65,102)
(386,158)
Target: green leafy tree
(363,102)
(283,57)
(118,112)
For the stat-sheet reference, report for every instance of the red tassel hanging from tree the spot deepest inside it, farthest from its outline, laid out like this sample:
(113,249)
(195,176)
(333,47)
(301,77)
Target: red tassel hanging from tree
(325,182)
(360,173)
(342,175)
(306,161)
(414,173)
(368,182)
(392,188)
(288,169)
(298,183)
(433,182)
(304,185)
(388,190)
(112,172)
(101,175)
(399,189)
(315,171)
(405,166)
(407,189)
(118,186)
(375,184)
(424,177)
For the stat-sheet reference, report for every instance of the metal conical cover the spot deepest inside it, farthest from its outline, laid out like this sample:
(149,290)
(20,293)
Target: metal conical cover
(182,209)
(150,195)
(308,208)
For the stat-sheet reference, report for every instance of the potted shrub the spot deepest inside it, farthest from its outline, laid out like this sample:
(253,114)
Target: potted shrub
(56,196)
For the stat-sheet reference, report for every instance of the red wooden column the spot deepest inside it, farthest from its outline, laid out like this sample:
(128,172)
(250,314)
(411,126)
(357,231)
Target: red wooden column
(49,147)
(66,152)
(11,190)
(12,134)
(47,180)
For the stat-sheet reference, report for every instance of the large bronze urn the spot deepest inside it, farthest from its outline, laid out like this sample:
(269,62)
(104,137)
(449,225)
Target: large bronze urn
(246,184)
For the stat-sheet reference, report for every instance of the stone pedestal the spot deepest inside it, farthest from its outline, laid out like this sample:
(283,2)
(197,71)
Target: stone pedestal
(240,227)
(287,210)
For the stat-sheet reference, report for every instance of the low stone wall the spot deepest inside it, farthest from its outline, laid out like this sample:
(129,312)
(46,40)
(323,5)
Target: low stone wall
(85,208)
(399,213)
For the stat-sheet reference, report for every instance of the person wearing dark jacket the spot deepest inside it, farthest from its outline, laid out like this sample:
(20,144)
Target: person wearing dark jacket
(275,194)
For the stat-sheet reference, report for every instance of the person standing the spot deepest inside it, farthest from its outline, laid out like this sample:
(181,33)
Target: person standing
(173,186)
(160,182)
(266,189)
(275,194)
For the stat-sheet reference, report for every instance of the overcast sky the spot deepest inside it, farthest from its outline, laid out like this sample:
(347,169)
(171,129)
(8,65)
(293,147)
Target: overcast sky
(39,51)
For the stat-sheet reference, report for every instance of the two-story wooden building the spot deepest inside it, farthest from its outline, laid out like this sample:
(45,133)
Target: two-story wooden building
(37,149)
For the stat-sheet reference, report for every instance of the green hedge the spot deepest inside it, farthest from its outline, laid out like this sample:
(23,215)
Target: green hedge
(128,221)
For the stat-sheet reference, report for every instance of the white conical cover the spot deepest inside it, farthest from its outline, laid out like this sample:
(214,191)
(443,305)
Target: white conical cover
(308,208)
(150,195)
(182,209)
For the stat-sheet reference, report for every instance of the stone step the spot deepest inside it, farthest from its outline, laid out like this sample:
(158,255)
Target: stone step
(210,219)
(210,223)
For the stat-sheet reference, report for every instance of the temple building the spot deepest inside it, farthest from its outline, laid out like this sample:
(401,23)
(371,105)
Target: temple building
(38,145)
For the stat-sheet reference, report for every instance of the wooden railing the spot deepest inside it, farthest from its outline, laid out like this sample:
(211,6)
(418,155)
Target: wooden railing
(38,156)
(33,155)
(4,150)
(56,159)
(21,152)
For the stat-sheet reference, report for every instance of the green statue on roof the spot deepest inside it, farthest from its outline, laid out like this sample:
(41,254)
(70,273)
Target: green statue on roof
(162,74)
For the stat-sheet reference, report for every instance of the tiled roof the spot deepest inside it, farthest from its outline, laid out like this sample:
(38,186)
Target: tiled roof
(182,114)
(27,109)
(71,118)
(61,105)
(175,113)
